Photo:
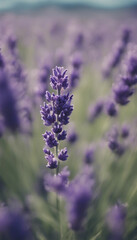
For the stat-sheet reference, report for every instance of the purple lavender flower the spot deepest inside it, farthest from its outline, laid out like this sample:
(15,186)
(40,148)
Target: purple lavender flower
(79,39)
(58,183)
(72,136)
(2,62)
(89,155)
(126,35)
(132,66)
(12,42)
(56,113)
(114,144)
(125,131)
(59,79)
(95,110)
(52,162)
(115,219)
(78,198)
(13,224)
(17,77)
(64,174)
(8,103)
(129,81)
(119,49)
(74,78)
(63,154)
(57,128)
(47,114)
(122,93)
(76,61)
(14,106)
(111,109)
(50,139)
(123,89)
(43,80)
(62,135)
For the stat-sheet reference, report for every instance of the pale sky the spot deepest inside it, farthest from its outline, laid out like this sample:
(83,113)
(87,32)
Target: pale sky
(101,3)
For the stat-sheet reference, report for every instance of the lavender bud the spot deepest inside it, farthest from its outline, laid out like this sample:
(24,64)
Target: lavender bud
(89,155)
(63,154)
(50,139)
(57,128)
(62,135)
(59,79)
(111,109)
(132,65)
(125,131)
(52,162)
(122,93)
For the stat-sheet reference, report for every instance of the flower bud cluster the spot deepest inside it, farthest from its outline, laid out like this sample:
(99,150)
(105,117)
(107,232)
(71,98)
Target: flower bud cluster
(116,140)
(123,89)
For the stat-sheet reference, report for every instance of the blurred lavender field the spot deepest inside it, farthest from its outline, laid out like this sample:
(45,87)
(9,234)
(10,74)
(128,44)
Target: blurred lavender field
(81,181)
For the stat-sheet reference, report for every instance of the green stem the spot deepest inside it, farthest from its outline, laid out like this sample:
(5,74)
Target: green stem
(57,197)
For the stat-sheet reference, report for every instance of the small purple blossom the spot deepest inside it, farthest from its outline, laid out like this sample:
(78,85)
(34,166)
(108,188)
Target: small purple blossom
(62,135)
(12,42)
(122,93)
(76,61)
(52,162)
(72,136)
(47,114)
(74,78)
(89,155)
(59,79)
(50,139)
(63,155)
(115,145)
(57,128)
(125,131)
(129,81)
(132,65)
(111,109)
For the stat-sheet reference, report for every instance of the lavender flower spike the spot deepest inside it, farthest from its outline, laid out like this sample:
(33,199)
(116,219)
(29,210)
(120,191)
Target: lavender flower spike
(116,217)
(78,197)
(56,112)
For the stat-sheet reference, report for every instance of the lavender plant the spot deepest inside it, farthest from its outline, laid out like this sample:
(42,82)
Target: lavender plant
(56,113)
(119,49)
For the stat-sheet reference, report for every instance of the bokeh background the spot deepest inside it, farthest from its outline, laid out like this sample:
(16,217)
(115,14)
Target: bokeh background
(96,41)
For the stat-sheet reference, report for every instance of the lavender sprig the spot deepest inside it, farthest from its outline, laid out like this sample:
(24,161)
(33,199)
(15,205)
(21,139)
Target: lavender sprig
(56,113)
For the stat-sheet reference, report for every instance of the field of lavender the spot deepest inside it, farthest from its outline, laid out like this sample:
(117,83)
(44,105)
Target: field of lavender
(68,126)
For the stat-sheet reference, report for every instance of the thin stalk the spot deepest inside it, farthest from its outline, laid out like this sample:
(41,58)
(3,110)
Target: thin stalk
(57,197)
